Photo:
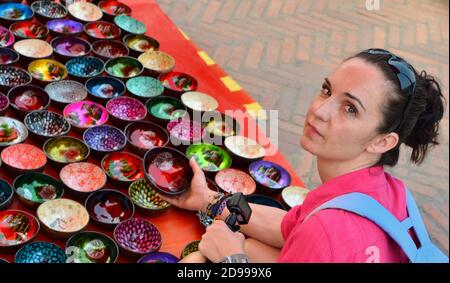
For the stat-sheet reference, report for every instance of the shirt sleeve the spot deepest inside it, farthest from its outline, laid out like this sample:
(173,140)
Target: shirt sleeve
(290,220)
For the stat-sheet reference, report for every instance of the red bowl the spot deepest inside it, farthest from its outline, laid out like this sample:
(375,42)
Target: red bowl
(123,166)
(102,30)
(29,29)
(18,228)
(234,181)
(23,158)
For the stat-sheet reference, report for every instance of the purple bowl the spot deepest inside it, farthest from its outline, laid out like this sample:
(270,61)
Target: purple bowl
(137,237)
(126,109)
(270,177)
(103,139)
(158,257)
(70,46)
(8,56)
(6,37)
(65,27)
(4,103)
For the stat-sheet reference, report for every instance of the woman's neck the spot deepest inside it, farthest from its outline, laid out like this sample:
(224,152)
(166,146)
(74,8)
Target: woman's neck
(330,169)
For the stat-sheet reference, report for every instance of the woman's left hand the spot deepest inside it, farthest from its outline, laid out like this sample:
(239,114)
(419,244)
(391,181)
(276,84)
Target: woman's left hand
(219,241)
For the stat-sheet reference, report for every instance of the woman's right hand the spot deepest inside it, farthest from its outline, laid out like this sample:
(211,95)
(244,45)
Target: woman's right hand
(198,196)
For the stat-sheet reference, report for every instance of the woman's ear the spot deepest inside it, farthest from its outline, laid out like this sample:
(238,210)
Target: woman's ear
(383,143)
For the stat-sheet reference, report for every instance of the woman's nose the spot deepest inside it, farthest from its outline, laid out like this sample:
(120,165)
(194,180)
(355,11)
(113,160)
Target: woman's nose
(324,109)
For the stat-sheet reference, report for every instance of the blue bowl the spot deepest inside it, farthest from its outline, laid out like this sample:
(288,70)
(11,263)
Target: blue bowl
(105,88)
(41,252)
(6,195)
(85,67)
(8,56)
(158,257)
(144,87)
(264,200)
(104,139)
(11,12)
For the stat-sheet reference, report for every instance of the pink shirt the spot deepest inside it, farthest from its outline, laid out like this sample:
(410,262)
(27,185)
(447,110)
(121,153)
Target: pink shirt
(334,235)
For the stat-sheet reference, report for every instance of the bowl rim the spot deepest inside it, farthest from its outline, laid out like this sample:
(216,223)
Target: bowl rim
(130,188)
(73,82)
(234,169)
(139,159)
(158,253)
(88,4)
(178,73)
(98,233)
(11,34)
(187,93)
(137,219)
(26,132)
(11,94)
(36,221)
(239,155)
(23,6)
(112,42)
(81,163)
(142,105)
(105,126)
(99,4)
(47,142)
(116,18)
(65,110)
(37,40)
(37,242)
(122,58)
(87,26)
(186,246)
(28,75)
(130,126)
(273,164)
(13,26)
(65,71)
(79,24)
(9,198)
(11,51)
(296,189)
(148,38)
(52,3)
(85,58)
(144,78)
(93,79)
(53,113)
(161,53)
(152,100)
(218,148)
(68,36)
(18,178)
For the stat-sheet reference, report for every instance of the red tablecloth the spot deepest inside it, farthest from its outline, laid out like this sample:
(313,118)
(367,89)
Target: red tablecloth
(178,227)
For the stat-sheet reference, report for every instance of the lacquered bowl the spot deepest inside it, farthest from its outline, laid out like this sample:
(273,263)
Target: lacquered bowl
(105,139)
(145,199)
(46,124)
(66,91)
(12,131)
(157,62)
(140,43)
(65,27)
(219,126)
(102,30)
(85,12)
(163,109)
(27,98)
(65,149)
(123,167)
(244,150)
(85,114)
(6,37)
(108,208)
(129,25)
(40,252)
(123,67)
(4,103)
(167,170)
(183,131)
(32,49)
(142,136)
(144,87)
(210,158)
(23,158)
(269,177)
(33,189)
(177,83)
(6,195)
(264,200)
(12,76)
(101,89)
(107,49)
(62,218)
(112,8)
(158,257)
(68,46)
(48,10)
(47,70)
(199,102)
(294,195)
(68,2)
(8,56)
(189,248)
(18,228)
(83,68)
(13,12)
(91,247)
(137,237)
(235,181)
(82,178)
(29,30)
(124,109)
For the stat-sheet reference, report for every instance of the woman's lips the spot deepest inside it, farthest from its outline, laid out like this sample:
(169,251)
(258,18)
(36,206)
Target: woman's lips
(312,131)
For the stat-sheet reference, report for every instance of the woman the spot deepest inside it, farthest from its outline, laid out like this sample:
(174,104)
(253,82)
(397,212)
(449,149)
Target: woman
(372,103)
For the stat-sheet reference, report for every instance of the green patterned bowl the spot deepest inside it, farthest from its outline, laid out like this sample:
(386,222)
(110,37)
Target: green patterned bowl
(145,199)
(36,188)
(211,158)
(129,25)
(125,67)
(91,247)
(144,87)
(189,248)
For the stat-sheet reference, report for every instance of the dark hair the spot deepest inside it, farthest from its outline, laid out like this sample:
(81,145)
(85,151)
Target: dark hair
(420,127)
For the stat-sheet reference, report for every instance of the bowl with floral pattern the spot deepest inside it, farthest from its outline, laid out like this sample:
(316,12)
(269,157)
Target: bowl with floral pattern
(107,49)
(102,89)
(82,178)
(91,247)
(65,27)
(68,47)
(46,124)
(112,8)
(104,139)
(83,68)
(12,131)
(29,30)
(47,71)
(146,199)
(122,167)
(142,136)
(18,228)
(66,92)
(11,76)
(33,189)
(85,114)
(27,98)
(6,37)
(14,12)
(270,177)
(48,10)
(140,43)
(65,149)
(177,83)
(123,67)
(100,30)
(124,109)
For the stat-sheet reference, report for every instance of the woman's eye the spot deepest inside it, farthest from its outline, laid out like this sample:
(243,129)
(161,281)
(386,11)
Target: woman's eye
(325,90)
(350,109)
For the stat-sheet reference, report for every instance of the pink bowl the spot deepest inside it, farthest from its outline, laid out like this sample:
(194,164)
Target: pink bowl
(85,114)
(126,109)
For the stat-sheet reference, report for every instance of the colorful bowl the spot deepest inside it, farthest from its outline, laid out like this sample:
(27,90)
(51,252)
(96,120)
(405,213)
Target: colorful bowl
(107,49)
(158,257)
(145,198)
(142,136)
(12,131)
(167,170)
(144,87)
(198,101)
(91,247)
(108,208)
(102,30)
(244,150)
(8,56)
(6,37)
(6,195)
(123,166)
(137,237)
(12,12)
(177,83)
(129,25)
(17,229)
(27,98)
(67,91)
(219,126)
(85,114)
(85,11)
(163,109)
(105,139)
(270,177)
(47,71)
(23,158)
(211,158)
(32,49)
(123,67)
(48,10)
(183,131)
(40,252)
(68,2)
(4,103)
(65,27)
(189,248)
(85,67)
(157,62)
(62,218)
(294,195)
(102,89)
(65,149)
(113,8)
(125,109)
(36,188)
(12,76)
(29,30)
(46,124)
(69,46)
(82,178)
(140,43)
(264,200)
(235,181)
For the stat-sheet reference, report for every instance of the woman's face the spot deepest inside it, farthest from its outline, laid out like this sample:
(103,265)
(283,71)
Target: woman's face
(342,119)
